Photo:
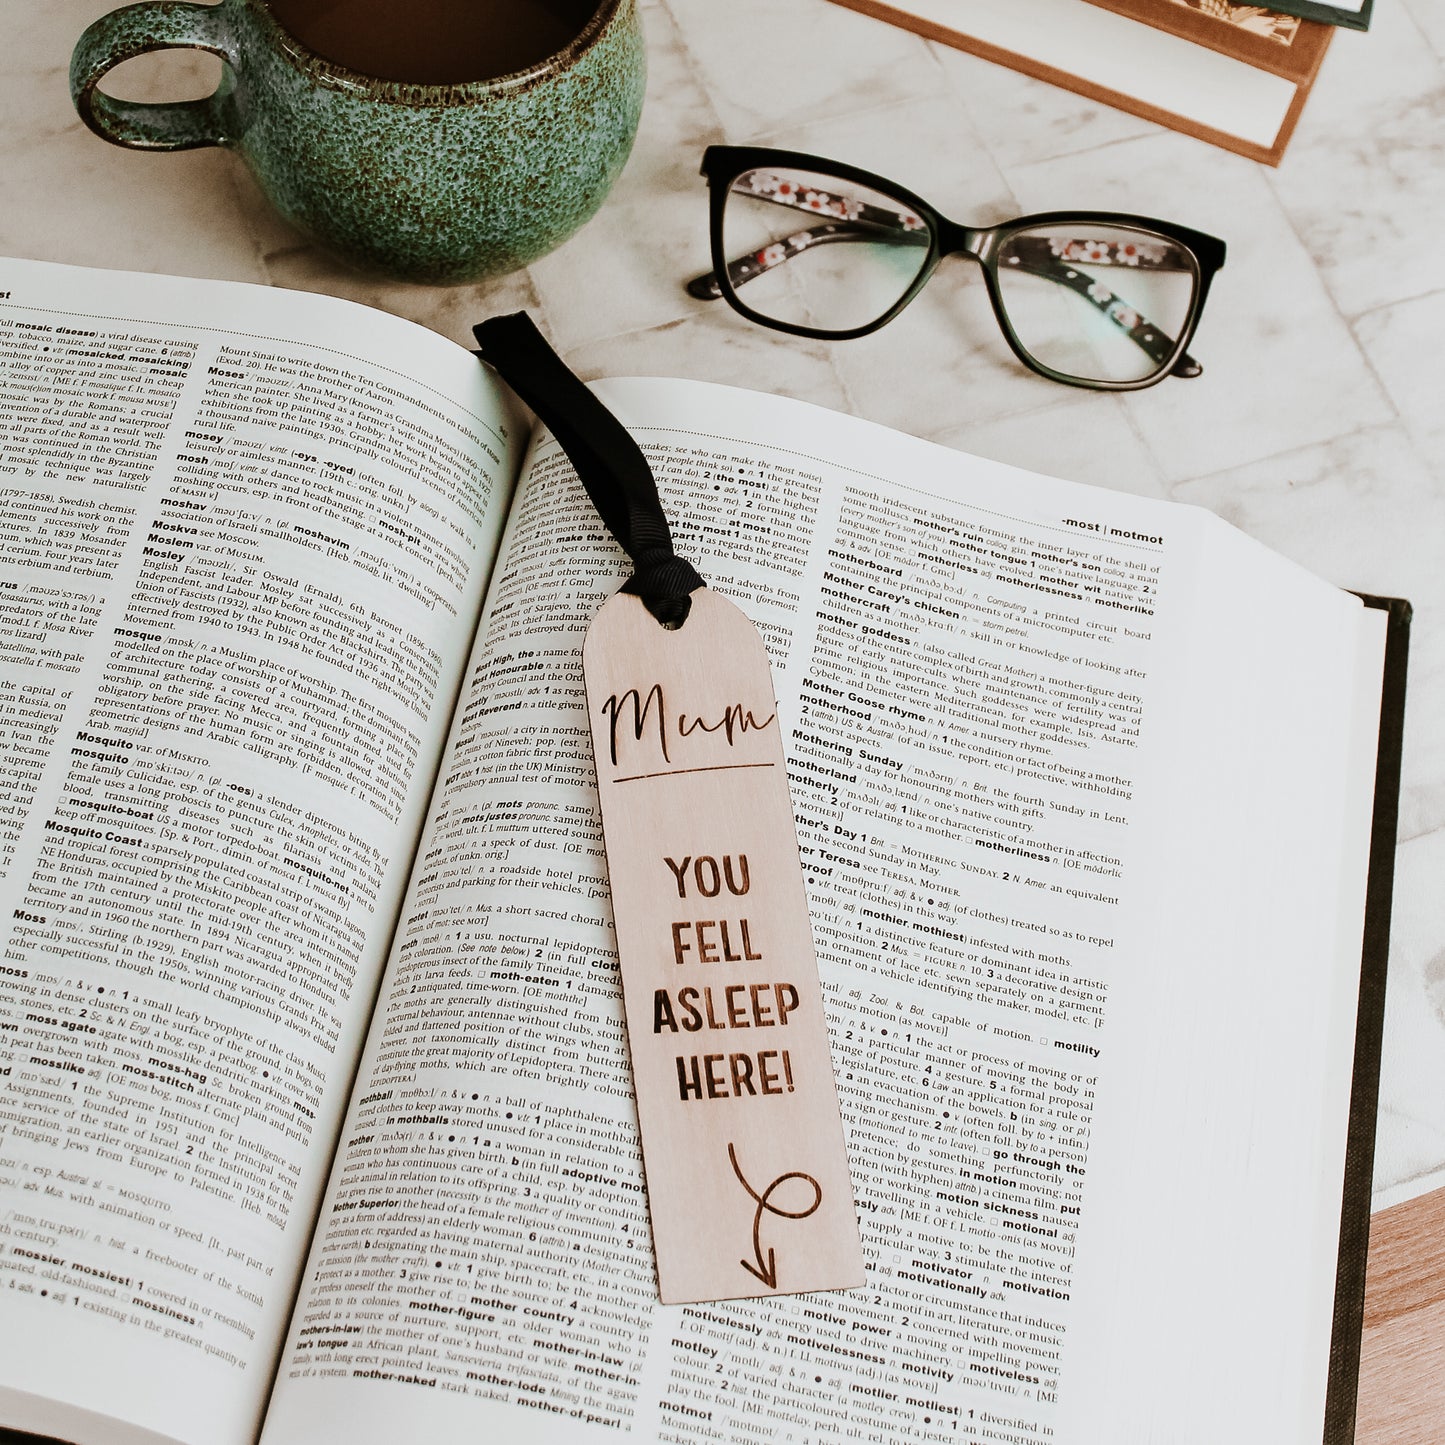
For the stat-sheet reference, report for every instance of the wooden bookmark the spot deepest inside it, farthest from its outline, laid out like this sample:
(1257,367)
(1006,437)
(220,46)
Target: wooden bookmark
(747,1179)
(742,1142)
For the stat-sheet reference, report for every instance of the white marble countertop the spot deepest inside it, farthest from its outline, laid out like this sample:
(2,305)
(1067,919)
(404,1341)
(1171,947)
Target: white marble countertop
(1318,425)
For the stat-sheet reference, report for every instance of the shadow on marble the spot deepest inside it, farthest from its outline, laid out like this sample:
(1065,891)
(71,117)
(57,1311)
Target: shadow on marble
(1281,367)
(1021,120)
(175,213)
(1367,162)
(1429,15)
(767,67)
(1082,437)
(625,269)
(1403,344)
(451,311)
(716,345)
(1350,510)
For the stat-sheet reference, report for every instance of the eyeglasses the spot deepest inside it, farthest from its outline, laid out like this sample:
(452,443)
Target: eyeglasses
(1087,298)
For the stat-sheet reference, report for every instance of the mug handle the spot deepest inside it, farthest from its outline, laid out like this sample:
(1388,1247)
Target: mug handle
(135,30)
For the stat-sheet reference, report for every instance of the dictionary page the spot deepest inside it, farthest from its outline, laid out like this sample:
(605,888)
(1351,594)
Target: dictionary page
(247,533)
(1005,788)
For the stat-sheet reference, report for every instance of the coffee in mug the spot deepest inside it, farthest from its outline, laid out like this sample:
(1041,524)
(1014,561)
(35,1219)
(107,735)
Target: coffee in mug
(442,42)
(433,140)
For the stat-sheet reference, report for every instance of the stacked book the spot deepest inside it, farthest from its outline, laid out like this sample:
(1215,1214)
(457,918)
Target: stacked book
(1234,75)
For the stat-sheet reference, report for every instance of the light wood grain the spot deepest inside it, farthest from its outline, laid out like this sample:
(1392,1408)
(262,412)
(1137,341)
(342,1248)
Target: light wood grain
(1402,1366)
(747,1178)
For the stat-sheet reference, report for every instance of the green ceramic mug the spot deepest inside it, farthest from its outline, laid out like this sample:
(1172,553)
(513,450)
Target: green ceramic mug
(434,183)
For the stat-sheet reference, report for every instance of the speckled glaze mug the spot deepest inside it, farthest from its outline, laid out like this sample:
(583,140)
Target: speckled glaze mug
(432,183)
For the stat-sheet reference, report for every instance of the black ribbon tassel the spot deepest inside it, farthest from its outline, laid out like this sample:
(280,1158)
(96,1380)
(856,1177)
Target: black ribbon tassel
(608,460)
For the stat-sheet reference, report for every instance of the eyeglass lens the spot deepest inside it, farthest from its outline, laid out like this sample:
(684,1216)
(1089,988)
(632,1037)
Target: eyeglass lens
(1096,302)
(819,252)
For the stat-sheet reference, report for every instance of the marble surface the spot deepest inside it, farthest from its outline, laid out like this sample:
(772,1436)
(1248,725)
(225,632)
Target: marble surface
(1318,425)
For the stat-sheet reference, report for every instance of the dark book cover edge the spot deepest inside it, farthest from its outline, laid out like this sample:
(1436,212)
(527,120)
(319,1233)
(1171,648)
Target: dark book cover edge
(1349,1310)
(1327,14)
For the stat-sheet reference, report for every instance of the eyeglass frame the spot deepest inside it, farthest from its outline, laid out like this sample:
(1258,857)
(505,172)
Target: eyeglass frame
(722,165)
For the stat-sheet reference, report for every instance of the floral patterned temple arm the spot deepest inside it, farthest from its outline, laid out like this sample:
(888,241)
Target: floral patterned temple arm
(849,220)
(1043,258)
(745,268)
(862,221)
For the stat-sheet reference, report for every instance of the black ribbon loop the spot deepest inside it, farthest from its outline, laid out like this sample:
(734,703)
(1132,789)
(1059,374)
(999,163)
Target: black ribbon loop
(608,460)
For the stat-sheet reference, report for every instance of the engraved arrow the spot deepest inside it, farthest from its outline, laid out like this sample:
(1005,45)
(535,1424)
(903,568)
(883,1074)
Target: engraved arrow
(767,1271)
